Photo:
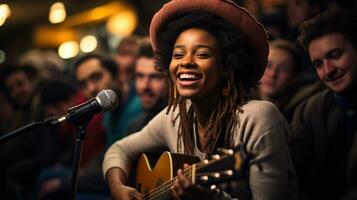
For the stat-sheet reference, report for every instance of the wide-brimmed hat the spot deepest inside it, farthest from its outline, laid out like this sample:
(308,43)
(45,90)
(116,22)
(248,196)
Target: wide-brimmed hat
(226,9)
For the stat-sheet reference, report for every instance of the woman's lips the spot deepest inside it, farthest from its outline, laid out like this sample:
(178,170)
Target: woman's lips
(187,83)
(269,84)
(187,79)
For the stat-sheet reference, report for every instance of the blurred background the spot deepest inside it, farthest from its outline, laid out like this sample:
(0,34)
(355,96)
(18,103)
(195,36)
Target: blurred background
(69,28)
(57,54)
(74,27)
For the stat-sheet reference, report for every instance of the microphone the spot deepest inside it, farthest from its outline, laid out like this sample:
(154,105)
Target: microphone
(106,100)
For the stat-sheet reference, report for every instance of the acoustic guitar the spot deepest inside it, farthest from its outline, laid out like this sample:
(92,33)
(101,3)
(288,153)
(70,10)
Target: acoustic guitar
(155,183)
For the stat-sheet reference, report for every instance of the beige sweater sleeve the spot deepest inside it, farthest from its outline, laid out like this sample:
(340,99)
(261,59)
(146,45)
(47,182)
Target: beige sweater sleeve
(264,131)
(153,137)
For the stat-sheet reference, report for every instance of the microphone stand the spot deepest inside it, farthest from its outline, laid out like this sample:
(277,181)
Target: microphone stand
(27,128)
(81,126)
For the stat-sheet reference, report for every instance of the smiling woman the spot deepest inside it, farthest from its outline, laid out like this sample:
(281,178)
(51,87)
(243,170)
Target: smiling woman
(214,52)
(202,80)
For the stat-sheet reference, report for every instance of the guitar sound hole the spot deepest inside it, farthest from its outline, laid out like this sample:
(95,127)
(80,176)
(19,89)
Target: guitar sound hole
(159,182)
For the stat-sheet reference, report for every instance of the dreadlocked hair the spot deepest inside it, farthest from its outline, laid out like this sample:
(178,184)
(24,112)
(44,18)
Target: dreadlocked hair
(237,57)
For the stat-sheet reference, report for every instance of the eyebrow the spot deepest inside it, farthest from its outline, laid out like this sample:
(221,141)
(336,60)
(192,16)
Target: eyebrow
(196,47)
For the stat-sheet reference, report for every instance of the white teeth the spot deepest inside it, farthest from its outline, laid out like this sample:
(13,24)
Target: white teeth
(188,76)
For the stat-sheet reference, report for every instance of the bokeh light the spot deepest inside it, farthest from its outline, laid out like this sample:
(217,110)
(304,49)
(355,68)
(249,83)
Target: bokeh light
(68,49)
(2,56)
(5,13)
(123,23)
(88,43)
(57,13)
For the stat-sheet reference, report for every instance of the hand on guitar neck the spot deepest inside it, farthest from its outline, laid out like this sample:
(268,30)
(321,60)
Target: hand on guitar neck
(183,188)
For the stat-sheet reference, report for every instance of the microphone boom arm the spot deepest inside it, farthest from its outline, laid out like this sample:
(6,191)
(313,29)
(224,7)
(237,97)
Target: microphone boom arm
(52,121)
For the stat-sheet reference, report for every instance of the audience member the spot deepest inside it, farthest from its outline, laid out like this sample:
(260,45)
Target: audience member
(324,125)
(151,87)
(47,62)
(93,74)
(57,96)
(278,83)
(7,111)
(19,82)
(126,54)
(351,193)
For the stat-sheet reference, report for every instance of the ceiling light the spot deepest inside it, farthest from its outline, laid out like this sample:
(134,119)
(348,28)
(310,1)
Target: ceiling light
(88,43)
(57,13)
(123,23)
(68,49)
(5,13)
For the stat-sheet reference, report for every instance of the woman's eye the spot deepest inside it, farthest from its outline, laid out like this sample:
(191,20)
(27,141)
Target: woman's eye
(283,68)
(269,65)
(202,55)
(177,55)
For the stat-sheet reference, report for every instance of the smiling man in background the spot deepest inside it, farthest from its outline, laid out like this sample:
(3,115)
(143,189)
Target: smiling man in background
(151,86)
(323,127)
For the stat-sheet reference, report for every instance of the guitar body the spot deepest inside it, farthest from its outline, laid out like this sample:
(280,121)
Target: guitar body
(150,175)
(154,177)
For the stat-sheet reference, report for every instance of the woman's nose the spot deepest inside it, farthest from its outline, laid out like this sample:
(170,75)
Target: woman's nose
(187,61)
(271,71)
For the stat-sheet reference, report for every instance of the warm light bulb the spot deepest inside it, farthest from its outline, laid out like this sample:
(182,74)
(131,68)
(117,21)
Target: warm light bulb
(57,13)
(88,44)
(68,49)
(123,23)
(2,21)
(5,13)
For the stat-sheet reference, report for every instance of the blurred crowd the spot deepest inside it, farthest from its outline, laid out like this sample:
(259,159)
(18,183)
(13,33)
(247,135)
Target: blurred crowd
(38,164)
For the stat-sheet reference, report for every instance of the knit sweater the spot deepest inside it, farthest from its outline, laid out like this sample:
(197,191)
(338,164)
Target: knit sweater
(262,129)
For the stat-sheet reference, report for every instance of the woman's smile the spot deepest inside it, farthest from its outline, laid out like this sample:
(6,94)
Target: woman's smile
(195,65)
(187,79)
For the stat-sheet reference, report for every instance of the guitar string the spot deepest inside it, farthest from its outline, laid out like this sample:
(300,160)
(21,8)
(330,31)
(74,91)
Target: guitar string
(156,192)
(165,186)
(160,193)
(169,182)
(166,195)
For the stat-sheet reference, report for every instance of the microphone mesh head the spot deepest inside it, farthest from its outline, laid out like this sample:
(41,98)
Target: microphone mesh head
(108,100)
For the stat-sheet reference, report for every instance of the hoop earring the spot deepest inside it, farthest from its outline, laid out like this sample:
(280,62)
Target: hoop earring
(226,90)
